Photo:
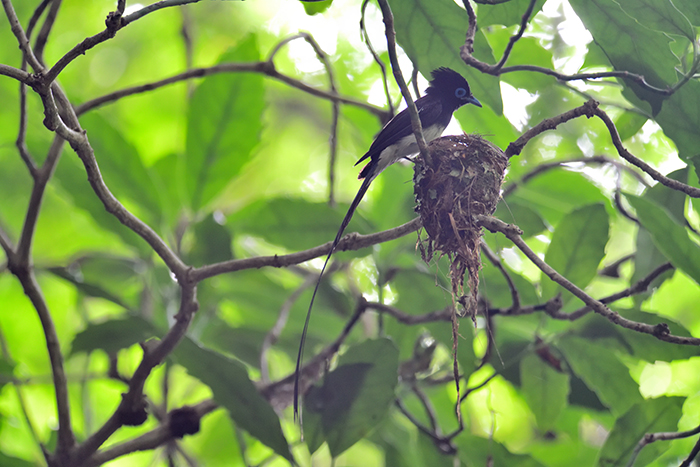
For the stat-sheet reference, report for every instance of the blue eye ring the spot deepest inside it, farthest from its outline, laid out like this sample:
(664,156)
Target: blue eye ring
(460,93)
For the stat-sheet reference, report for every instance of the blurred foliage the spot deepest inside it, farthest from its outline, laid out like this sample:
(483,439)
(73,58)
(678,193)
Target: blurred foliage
(235,165)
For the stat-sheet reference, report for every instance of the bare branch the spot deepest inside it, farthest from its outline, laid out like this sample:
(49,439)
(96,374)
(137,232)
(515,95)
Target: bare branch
(467,50)
(516,147)
(352,241)
(375,56)
(513,233)
(46,30)
(412,110)
(496,261)
(20,75)
(159,436)
(22,39)
(266,68)
(409,319)
(629,157)
(653,437)
(516,37)
(280,394)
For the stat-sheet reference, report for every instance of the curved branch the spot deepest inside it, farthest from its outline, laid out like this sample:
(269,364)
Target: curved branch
(351,241)
(513,233)
(265,68)
(653,437)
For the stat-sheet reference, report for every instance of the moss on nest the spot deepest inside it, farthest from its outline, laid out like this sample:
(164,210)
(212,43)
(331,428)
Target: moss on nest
(463,179)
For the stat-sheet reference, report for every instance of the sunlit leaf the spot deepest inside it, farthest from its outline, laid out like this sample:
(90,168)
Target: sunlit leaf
(114,335)
(224,125)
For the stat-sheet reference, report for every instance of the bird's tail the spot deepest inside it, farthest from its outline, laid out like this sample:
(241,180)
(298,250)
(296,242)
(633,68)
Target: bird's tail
(297,372)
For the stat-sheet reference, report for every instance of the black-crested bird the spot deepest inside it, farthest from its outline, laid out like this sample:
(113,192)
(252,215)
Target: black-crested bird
(447,92)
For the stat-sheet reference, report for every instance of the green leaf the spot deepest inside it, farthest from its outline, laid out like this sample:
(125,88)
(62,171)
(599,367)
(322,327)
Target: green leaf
(669,237)
(649,416)
(602,372)
(680,119)
(619,35)
(431,33)
(70,173)
(476,451)
(545,390)
(494,288)
(114,335)
(556,193)
(9,461)
(577,247)
(354,397)
(521,214)
(233,389)
(295,224)
(121,166)
(629,123)
(507,13)
(224,125)
(315,7)
(211,243)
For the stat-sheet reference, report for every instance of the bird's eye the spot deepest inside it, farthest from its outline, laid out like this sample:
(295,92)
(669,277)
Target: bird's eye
(460,92)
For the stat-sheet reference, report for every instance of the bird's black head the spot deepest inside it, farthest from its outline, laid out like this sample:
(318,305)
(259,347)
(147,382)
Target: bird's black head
(451,87)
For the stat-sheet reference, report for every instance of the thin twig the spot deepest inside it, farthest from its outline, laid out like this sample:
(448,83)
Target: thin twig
(629,157)
(45,30)
(409,319)
(266,68)
(516,37)
(375,56)
(467,50)
(273,335)
(496,261)
(692,455)
(653,437)
(150,440)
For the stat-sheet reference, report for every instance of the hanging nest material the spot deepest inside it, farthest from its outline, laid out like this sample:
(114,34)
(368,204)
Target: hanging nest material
(463,179)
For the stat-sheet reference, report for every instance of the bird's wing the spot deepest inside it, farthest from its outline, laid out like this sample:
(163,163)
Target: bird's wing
(429,109)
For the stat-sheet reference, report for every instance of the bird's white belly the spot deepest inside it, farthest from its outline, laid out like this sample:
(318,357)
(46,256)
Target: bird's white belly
(405,147)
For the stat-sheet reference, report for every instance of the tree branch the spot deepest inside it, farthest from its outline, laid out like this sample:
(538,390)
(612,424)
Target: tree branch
(513,233)
(351,241)
(412,110)
(653,437)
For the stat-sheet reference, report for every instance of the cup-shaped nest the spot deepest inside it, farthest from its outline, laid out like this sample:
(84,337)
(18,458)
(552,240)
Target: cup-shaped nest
(462,179)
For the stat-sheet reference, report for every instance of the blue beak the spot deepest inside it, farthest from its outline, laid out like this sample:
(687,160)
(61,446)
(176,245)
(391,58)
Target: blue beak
(473,100)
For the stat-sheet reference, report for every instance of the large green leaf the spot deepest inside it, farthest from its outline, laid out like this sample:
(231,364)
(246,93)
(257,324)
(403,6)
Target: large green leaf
(669,237)
(545,390)
(224,125)
(354,397)
(602,372)
(577,247)
(680,119)
(122,168)
(649,416)
(506,13)
(295,224)
(431,32)
(233,389)
(629,44)
(477,451)
(114,335)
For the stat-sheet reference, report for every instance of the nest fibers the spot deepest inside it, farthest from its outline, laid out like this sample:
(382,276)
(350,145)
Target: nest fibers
(463,179)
